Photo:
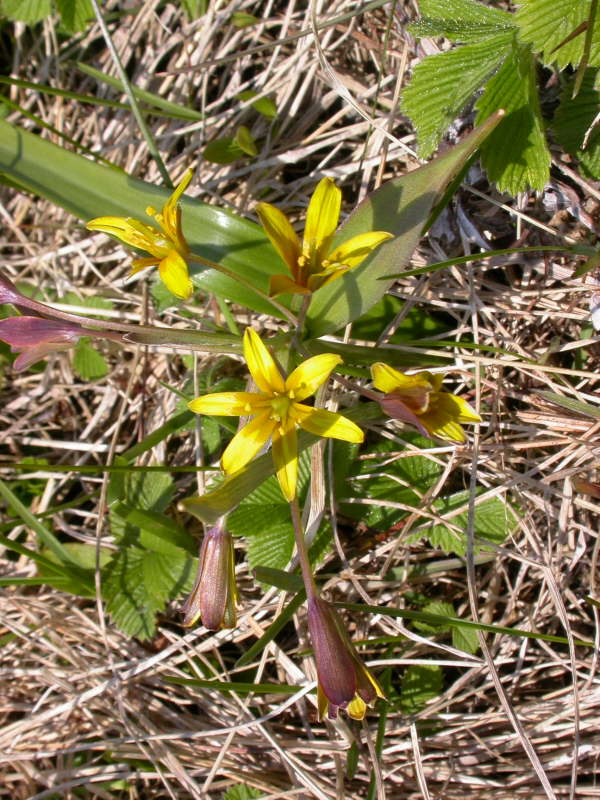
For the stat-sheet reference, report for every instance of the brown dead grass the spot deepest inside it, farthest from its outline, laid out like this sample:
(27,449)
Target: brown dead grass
(86,711)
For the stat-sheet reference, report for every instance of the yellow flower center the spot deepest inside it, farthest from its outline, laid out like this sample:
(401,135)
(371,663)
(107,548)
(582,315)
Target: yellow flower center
(280,407)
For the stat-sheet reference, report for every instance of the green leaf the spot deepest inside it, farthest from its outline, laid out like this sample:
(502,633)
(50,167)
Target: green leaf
(195,8)
(573,119)
(465,639)
(494,521)
(515,155)
(75,14)
(223,151)
(444,83)
(28,11)
(244,140)
(402,207)
(87,361)
(89,190)
(159,533)
(460,20)
(238,687)
(570,404)
(136,585)
(547,25)
(420,684)
(242,20)
(264,105)
(241,792)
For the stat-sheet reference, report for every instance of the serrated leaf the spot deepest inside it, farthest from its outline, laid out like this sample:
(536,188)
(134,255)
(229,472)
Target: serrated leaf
(402,207)
(444,83)
(420,684)
(442,609)
(460,20)
(547,25)
(28,11)
(223,151)
(515,155)
(159,532)
(573,119)
(494,521)
(88,363)
(75,14)
(137,584)
(465,639)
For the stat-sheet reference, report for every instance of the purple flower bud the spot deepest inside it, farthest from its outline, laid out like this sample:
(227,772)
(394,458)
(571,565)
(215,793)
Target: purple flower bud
(213,597)
(35,337)
(343,680)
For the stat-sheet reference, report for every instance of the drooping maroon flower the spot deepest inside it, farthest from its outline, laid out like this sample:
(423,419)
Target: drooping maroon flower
(343,680)
(214,595)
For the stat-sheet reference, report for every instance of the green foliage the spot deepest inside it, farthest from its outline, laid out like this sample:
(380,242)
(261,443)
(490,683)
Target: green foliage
(497,54)
(75,14)
(153,564)
(243,20)
(420,684)
(88,363)
(28,11)
(547,25)
(264,105)
(463,638)
(494,521)
(574,119)
(241,792)
(195,8)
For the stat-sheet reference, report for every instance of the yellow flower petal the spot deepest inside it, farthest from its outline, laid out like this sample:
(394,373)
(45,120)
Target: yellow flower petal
(326,423)
(228,404)
(285,456)
(262,367)
(308,376)
(174,274)
(466,413)
(356,249)
(283,237)
(322,218)
(356,708)
(322,701)
(283,284)
(247,442)
(387,379)
(171,219)
(132,232)
(442,418)
(138,264)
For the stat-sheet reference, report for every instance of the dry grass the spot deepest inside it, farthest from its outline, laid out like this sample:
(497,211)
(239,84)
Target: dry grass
(87,712)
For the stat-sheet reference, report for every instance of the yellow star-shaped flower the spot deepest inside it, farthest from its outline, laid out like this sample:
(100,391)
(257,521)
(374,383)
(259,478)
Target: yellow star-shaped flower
(277,410)
(166,244)
(313,263)
(417,399)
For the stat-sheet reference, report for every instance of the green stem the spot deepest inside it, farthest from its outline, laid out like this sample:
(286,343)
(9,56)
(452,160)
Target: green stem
(145,130)
(307,575)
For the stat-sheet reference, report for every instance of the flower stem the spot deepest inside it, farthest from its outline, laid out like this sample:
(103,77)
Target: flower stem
(307,575)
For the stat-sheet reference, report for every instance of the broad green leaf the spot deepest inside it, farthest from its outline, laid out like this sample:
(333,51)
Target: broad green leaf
(136,585)
(243,20)
(515,155)
(75,14)
(414,326)
(286,581)
(158,528)
(444,83)
(465,639)
(29,11)
(88,363)
(460,20)
(89,190)
(223,151)
(573,120)
(547,26)
(402,207)
(494,521)
(420,684)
